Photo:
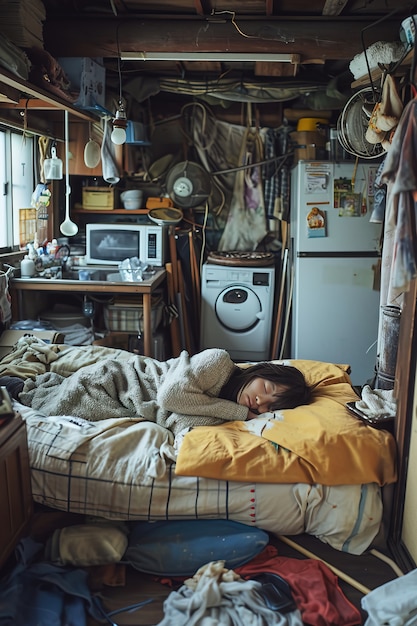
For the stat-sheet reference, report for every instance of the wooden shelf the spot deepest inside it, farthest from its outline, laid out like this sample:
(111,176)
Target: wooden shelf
(40,98)
(111,211)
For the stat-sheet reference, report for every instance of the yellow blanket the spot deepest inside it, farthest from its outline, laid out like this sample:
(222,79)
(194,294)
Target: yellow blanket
(317,443)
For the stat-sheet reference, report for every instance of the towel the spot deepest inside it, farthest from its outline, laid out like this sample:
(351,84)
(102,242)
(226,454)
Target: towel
(377,402)
(110,171)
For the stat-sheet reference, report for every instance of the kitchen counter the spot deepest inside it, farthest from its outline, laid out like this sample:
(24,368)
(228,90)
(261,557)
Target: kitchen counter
(145,288)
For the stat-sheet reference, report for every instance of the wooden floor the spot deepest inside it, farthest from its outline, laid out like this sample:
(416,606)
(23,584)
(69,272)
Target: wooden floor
(129,587)
(367,570)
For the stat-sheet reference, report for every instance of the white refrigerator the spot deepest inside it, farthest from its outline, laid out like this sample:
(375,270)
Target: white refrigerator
(334,254)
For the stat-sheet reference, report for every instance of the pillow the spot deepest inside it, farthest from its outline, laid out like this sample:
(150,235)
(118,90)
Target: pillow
(87,544)
(180,548)
(315,443)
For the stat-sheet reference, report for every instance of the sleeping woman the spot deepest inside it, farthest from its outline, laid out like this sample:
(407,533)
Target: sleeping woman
(205,389)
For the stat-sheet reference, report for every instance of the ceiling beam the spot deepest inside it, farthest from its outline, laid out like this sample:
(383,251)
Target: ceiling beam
(334,7)
(332,38)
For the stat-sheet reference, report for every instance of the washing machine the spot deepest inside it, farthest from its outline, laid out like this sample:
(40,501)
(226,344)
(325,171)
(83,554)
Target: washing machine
(237,310)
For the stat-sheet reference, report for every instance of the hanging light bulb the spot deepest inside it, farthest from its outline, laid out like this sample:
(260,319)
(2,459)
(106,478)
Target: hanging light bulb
(118,135)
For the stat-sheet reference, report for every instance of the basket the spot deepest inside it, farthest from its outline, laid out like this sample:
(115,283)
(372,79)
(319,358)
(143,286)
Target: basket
(98,198)
(125,316)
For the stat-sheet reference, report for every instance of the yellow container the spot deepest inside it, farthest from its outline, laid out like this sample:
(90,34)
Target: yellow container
(311,123)
(98,198)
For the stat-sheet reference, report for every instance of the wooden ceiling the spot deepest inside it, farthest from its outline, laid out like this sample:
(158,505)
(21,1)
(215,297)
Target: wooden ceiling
(325,33)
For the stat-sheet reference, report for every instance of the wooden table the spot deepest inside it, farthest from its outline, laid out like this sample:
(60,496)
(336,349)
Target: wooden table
(145,288)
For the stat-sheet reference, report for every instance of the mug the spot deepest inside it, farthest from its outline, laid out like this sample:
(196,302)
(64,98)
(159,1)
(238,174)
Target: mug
(84,275)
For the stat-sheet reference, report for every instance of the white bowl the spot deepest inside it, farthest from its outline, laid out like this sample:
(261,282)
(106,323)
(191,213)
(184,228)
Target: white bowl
(132,198)
(132,204)
(131,194)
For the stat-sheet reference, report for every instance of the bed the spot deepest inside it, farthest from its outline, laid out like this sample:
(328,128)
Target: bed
(314,469)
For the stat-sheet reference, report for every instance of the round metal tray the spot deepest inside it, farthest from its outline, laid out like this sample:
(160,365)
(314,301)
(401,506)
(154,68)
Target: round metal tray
(239,258)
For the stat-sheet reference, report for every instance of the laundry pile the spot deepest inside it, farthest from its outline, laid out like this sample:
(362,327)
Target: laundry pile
(215,595)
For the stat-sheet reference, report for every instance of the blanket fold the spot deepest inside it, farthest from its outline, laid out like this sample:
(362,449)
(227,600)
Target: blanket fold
(95,385)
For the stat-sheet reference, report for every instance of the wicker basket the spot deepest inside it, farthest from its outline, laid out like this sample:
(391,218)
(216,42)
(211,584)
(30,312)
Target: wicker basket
(125,316)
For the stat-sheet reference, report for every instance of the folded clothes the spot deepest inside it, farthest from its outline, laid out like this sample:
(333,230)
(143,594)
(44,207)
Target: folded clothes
(377,402)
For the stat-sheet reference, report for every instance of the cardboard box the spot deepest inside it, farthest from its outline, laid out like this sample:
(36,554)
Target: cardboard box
(9,338)
(88,76)
(309,145)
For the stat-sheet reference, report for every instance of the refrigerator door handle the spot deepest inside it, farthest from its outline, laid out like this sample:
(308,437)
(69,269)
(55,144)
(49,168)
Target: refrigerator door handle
(342,255)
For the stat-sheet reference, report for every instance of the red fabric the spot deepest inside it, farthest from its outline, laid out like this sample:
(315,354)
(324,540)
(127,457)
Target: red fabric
(314,587)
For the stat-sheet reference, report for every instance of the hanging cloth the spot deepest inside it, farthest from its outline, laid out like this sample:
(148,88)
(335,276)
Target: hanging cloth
(271,174)
(401,179)
(246,222)
(5,300)
(109,167)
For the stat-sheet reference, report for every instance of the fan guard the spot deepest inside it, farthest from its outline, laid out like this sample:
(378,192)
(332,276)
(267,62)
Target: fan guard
(188,184)
(353,124)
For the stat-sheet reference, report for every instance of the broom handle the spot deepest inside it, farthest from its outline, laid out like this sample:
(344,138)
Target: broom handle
(348,579)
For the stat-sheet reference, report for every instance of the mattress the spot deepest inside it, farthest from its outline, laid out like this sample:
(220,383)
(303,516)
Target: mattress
(126,470)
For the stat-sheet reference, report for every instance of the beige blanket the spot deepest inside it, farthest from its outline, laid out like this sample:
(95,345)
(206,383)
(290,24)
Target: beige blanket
(103,383)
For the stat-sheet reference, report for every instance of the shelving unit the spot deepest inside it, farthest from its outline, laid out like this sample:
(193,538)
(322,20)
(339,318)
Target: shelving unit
(18,93)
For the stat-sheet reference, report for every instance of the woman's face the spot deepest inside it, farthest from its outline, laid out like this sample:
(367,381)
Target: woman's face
(258,395)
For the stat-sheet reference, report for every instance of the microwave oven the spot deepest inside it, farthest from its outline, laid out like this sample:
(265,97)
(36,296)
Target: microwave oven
(109,244)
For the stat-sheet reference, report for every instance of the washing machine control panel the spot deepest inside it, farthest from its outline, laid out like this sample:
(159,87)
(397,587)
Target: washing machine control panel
(241,276)
(260,278)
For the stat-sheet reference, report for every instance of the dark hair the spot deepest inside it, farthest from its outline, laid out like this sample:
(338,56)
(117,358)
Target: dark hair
(295,389)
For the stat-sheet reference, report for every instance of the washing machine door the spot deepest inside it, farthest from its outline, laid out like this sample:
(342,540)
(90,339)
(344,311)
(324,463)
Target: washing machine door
(238,308)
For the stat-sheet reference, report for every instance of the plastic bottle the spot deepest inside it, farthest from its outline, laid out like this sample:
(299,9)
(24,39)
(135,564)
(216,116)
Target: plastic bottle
(27,267)
(32,254)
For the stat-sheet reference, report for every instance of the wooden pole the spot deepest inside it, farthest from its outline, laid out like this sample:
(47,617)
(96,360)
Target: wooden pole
(279,314)
(174,324)
(348,579)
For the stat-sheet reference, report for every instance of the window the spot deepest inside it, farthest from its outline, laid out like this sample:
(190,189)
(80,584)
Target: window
(17,180)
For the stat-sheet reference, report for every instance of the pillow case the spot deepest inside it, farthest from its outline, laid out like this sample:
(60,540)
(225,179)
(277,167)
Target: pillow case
(180,548)
(315,443)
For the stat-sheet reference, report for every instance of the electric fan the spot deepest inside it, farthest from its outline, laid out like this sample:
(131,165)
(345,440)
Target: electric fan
(353,123)
(188,184)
